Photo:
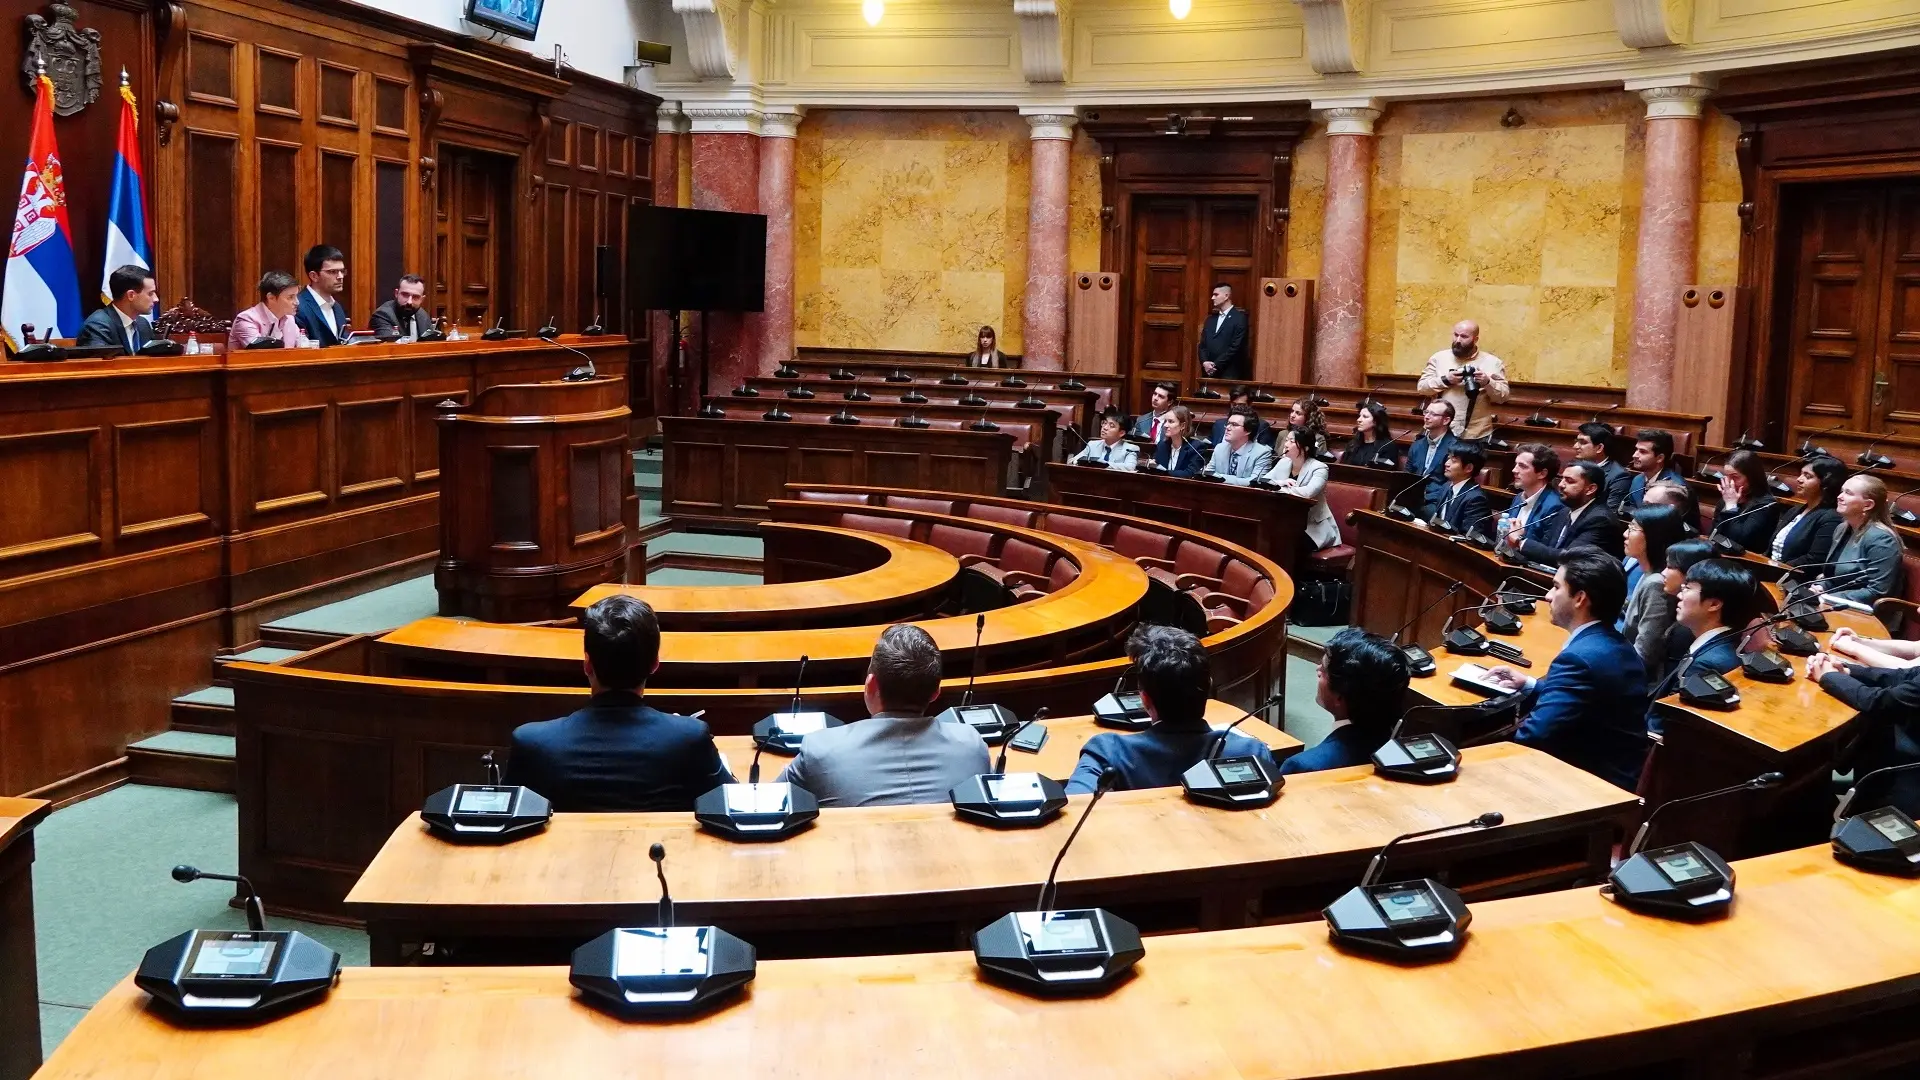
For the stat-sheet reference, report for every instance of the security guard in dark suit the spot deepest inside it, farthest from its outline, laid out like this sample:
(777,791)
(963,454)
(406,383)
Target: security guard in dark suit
(1223,338)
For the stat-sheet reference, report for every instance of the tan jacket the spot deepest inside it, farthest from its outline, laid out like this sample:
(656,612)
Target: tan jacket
(1493,390)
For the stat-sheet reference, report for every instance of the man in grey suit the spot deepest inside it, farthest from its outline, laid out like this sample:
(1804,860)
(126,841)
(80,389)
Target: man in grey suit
(401,316)
(1240,457)
(900,754)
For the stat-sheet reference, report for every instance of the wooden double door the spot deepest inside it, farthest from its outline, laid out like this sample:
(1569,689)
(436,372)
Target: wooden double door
(1854,338)
(1183,245)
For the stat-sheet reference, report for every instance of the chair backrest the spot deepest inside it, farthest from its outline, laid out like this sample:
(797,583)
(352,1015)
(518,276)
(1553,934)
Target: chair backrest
(1239,579)
(1135,542)
(1018,554)
(829,496)
(1344,499)
(1063,574)
(1082,527)
(1005,515)
(1262,596)
(890,526)
(924,506)
(1909,590)
(1193,557)
(957,541)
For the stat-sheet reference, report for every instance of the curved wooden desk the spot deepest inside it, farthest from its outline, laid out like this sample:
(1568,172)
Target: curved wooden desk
(1401,570)
(1273,523)
(888,879)
(896,579)
(19,976)
(1812,976)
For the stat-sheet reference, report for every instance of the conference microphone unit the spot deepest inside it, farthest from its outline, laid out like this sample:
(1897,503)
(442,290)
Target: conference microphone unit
(237,976)
(1013,381)
(485,813)
(1239,782)
(1419,660)
(754,811)
(954,378)
(1884,841)
(801,393)
(858,394)
(498,332)
(898,376)
(786,370)
(743,390)
(1681,881)
(993,722)
(1902,515)
(1410,921)
(1809,449)
(1010,800)
(550,330)
(781,732)
(1054,953)
(1123,709)
(1870,460)
(1427,758)
(1725,546)
(841,374)
(662,970)
(1467,641)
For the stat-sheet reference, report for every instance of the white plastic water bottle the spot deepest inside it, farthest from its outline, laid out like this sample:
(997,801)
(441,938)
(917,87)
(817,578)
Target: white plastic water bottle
(193,344)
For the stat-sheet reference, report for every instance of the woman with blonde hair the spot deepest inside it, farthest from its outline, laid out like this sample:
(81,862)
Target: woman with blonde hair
(1865,556)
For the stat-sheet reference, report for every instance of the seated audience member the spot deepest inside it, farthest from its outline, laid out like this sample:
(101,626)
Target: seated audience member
(986,351)
(1363,679)
(401,317)
(1239,459)
(1149,423)
(1306,416)
(898,754)
(1678,496)
(1681,557)
(1536,510)
(1807,532)
(1463,506)
(1372,444)
(1846,644)
(1590,708)
(1590,444)
(1175,681)
(123,323)
(1306,476)
(322,311)
(1240,400)
(1652,461)
(1176,452)
(1888,700)
(1428,457)
(272,318)
(618,754)
(1748,514)
(1651,530)
(1864,561)
(1719,599)
(1586,522)
(1112,448)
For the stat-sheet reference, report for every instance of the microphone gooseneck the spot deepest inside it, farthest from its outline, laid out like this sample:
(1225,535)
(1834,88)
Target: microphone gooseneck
(1000,763)
(1764,780)
(979,630)
(753,768)
(1049,892)
(658,853)
(1220,737)
(1379,864)
(1860,784)
(799,681)
(1451,589)
(256,909)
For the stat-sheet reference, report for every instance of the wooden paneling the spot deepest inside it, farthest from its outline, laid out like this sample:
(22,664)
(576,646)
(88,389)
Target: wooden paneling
(211,217)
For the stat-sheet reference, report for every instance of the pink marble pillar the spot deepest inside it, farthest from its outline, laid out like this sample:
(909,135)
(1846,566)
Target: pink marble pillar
(778,130)
(726,176)
(1669,219)
(1340,296)
(669,142)
(1044,315)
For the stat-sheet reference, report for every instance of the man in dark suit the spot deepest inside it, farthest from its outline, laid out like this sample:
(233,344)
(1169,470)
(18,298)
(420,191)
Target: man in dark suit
(1652,458)
(617,754)
(1175,681)
(1590,443)
(1589,709)
(1717,600)
(1586,522)
(1223,338)
(322,315)
(1363,676)
(123,322)
(401,316)
(1463,506)
(1428,457)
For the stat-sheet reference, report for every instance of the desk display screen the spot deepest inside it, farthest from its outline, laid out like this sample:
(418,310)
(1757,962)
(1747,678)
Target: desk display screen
(1423,749)
(1015,788)
(656,951)
(1052,933)
(800,723)
(232,957)
(980,716)
(479,800)
(759,798)
(1408,904)
(1130,701)
(1893,825)
(1714,682)
(1236,771)
(1683,866)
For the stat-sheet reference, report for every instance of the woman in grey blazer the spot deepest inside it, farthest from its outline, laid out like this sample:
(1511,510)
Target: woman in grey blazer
(1866,551)
(1650,610)
(1300,472)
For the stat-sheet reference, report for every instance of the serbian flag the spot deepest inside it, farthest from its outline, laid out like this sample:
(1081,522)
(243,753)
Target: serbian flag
(42,287)
(127,214)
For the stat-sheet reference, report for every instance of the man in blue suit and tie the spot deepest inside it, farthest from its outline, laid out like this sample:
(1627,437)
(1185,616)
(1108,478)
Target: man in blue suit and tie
(617,754)
(1363,679)
(123,322)
(1590,709)
(1463,506)
(1428,457)
(322,313)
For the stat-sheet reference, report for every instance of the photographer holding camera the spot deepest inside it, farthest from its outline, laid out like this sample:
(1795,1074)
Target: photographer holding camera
(1463,376)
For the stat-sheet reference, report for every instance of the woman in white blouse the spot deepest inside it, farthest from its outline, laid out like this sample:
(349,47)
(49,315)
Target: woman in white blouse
(1303,474)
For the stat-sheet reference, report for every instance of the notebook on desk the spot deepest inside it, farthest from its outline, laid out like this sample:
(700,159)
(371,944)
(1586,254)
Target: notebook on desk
(1474,677)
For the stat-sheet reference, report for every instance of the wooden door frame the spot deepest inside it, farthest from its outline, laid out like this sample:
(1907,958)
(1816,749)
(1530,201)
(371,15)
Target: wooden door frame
(1250,154)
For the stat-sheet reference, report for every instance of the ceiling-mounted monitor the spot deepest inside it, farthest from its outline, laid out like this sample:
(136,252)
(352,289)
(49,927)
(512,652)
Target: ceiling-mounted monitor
(514,18)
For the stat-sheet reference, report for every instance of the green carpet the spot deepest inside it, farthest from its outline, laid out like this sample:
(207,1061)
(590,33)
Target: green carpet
(371,612)
(102,895)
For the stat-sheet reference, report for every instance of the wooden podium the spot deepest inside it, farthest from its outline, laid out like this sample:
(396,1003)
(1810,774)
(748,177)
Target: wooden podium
(536,498)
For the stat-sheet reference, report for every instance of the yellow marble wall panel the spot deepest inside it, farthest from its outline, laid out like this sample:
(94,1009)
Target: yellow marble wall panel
(1580,244)
(1307,204)
(1509,325)
(1505,231)
(1423,318)
(1383,248)
(1573,337)
(967,300)
(1718,243)
(807,149)
(1433,238)
(1083,205)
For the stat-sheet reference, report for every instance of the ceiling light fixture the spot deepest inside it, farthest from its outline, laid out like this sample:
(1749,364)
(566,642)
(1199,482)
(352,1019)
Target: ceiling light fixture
(873,10)
(1180,8)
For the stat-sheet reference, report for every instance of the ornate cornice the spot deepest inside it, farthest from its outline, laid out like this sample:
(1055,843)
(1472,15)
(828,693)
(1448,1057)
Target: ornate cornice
(1336,34)
(781,122)
(1678,97)
(723,119)
(1049,121)
(1653,24)
(671,120)
(1043,45)
(707,50)
(1348,116)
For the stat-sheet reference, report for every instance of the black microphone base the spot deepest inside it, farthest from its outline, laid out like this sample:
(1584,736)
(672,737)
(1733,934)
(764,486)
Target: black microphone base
(296,971)
(752,813)
(717,964)
(1794,641)
(448,813)
(1407,921)
(987,800)
(1883,841)
(1466,642)
(1058,953)
(710,411)
(780,733)
(1418,759)
(1231,783)
(1419,661)
(1124,711)
(1685,881)
(1500,622)
(1766,667)
(993,722)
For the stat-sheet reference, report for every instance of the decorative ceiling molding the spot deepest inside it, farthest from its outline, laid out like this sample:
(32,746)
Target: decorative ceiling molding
(1337,34)
(707,50)
(1654,24)
(1043,42)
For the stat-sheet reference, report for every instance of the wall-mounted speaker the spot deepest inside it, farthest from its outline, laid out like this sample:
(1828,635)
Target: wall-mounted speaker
(1093,322)
(1283,330)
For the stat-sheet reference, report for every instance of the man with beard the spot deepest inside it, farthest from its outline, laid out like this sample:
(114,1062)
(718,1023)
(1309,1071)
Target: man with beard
(401,316)
(1451,373)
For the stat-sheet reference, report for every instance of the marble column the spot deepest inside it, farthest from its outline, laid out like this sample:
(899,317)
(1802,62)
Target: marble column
(1669,220)
(1044,313)
(726,176)
(669,144)
(1340,296)
(778,130)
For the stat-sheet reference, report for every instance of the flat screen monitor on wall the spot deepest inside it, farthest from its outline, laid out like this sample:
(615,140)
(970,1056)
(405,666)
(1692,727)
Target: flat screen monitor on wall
(695,260)
(514,18)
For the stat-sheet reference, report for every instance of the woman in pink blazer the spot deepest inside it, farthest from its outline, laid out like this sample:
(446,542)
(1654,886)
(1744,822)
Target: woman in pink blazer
(272,317)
